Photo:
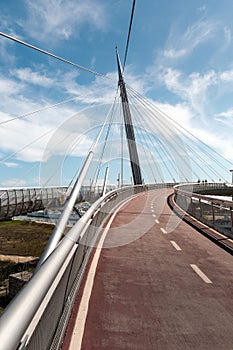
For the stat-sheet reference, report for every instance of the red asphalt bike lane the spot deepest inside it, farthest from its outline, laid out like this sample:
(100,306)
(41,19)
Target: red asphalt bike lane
(163,290)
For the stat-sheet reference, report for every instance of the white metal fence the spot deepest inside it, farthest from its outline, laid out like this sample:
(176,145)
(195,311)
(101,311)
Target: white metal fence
(215,212)
(36,319)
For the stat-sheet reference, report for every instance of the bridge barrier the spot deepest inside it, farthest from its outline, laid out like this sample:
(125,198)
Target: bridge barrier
(36,319)
(207,188)
(20,201)
(214,212)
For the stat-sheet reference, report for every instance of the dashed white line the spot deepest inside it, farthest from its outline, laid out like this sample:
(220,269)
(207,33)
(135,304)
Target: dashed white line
(154,215)
(163,230)
(152,210)
(200,273)
(175,245)
(157,221)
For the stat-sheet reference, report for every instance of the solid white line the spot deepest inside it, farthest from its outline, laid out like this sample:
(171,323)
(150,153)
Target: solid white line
(78,331)
(200,273)
(163,230)
(157,221)
(175,245)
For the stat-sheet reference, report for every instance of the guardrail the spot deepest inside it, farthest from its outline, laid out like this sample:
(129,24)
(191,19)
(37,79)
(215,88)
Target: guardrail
(20,201)
(216,213)
(208,188)
(37,317)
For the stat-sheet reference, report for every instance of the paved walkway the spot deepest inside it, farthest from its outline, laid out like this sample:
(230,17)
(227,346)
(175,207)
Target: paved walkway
(169,289)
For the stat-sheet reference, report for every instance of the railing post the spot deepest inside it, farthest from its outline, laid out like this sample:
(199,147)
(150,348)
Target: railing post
(14,212)
(200,204)
(8,203)
(213,213)
(190,208)
(231,209)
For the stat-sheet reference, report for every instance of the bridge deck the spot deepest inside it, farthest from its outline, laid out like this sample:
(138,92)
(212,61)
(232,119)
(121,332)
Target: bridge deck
(161,291)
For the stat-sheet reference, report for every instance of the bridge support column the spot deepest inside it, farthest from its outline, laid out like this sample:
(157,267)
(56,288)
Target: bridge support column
(129,129)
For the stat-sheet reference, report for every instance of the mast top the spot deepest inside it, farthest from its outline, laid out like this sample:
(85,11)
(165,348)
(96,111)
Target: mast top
(119,66)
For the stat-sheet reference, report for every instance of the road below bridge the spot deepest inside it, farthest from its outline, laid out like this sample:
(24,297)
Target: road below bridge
(171,288)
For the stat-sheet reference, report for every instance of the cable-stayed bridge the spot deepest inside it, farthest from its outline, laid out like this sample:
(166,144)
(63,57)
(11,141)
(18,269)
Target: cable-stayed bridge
(160,284)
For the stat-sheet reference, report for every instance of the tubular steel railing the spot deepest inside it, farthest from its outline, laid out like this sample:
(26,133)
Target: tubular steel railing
(214,212)
(20,201)
(36,319)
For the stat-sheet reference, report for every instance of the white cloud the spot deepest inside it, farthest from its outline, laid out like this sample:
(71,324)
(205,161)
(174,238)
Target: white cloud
(202,8)
(17,182)
(9,86)
(11,164)
(182,44)
(59,19)
(228,34)
(26,139)
(226,114)
(19,96)
(4,55)
(225,117)
(197,89)
(179,112)
(32,77)
(218,142)
(191,88)
(226,76)
(100,90)
(172,53)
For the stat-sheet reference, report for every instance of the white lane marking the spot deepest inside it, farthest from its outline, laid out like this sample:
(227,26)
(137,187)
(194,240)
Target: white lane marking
(200,273)
(154,215)
(163,230)
(78,331)
(152,210)
(157,221)
(175,245)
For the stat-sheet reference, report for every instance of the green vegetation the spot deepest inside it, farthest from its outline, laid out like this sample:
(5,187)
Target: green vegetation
(23,238)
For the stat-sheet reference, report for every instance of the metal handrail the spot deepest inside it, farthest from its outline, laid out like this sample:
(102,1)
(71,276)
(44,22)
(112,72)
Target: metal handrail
(214,212)
(20,312)
(192,194)
(20,201)
(205,198)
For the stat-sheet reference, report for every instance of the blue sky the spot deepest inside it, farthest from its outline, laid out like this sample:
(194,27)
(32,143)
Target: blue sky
(180,56)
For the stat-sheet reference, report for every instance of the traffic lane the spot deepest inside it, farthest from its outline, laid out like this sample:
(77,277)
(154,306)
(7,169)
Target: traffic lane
(199,250)
(146,296)
(133,220)
(204,255)
(73,333)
